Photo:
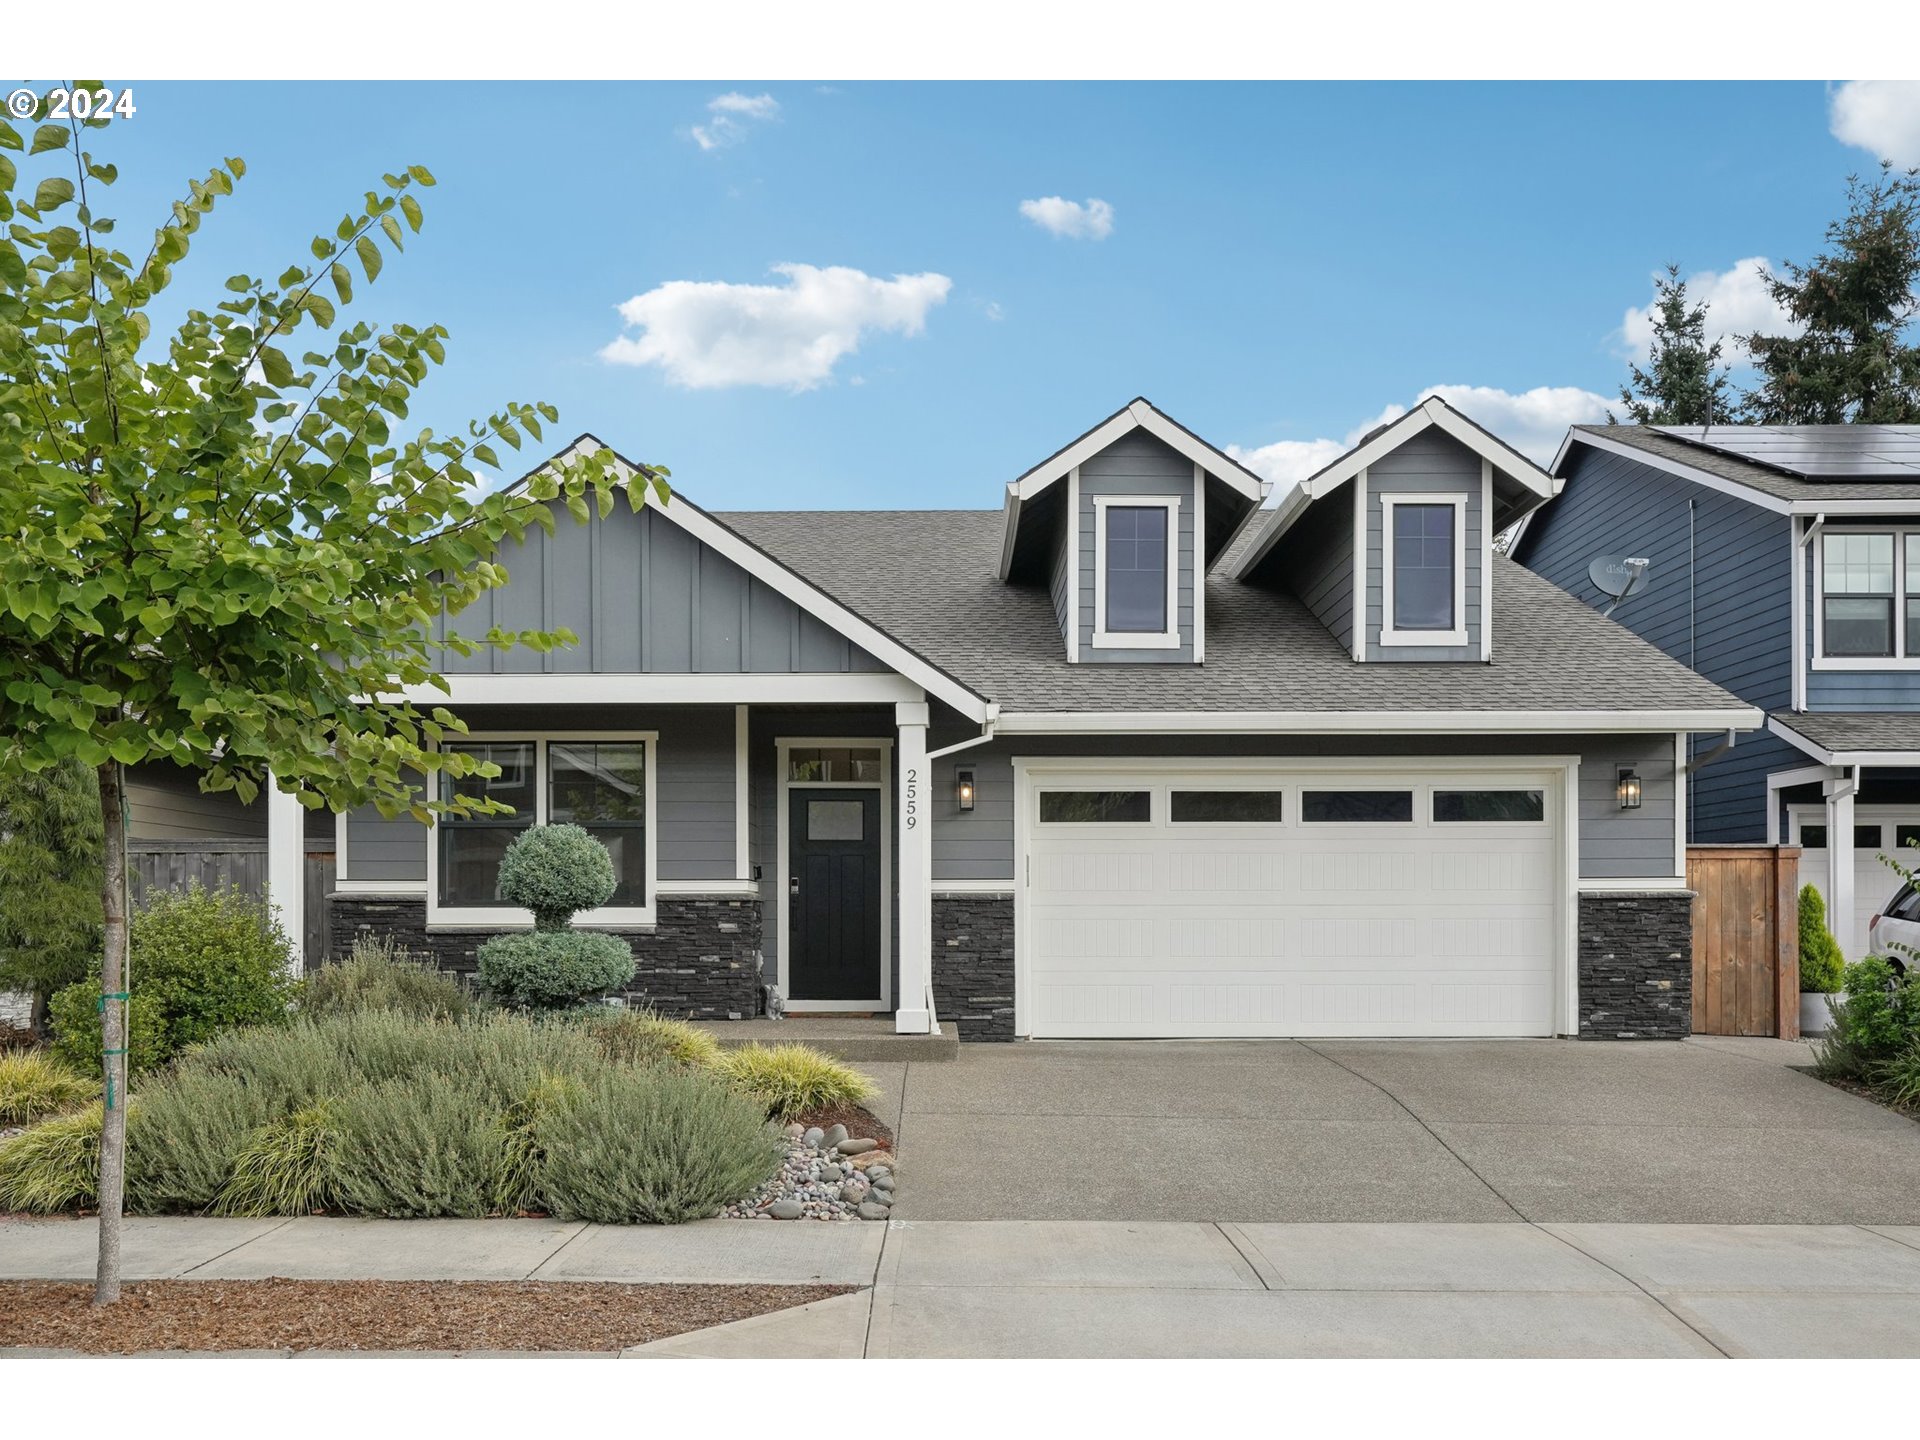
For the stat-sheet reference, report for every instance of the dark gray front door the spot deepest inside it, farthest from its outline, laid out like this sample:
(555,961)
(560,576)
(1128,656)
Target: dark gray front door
(833,894)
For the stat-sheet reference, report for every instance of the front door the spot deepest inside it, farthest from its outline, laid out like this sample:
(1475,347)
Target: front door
(833,894)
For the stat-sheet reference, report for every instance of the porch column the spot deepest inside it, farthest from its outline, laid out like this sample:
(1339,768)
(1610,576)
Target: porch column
(914,883)
(287,867)
(1840,921)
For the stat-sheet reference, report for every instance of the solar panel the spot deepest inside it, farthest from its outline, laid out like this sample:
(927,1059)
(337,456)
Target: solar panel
(1814,452)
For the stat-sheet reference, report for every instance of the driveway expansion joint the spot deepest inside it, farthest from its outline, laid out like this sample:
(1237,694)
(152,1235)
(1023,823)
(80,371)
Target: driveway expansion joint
(270,1230)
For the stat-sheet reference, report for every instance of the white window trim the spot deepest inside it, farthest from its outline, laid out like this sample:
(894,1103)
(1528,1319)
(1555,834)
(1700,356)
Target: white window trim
(783,787)
(1168,639)
(1906,648)
(1389,635)
(512,917)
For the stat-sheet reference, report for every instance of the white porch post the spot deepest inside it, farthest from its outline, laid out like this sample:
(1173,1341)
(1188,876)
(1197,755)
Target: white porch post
(1840,919)
(287,867)
(911,1015)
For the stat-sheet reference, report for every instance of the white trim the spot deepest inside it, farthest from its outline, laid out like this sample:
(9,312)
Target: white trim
(811,688)
(913,1011)
(1877,759)
(1347,722)
(511,917)
(1486,558)
(1674,467)
(1072,561)
(1680,803)
(1199,565)
(1797,537)
(287,868)
(783,875)
(1140,415)
(733,888)
(975,887)
(1104,639)
(1905,656)
(1629,884)
(1856,507)
(1784,779)
(1567,982)
(1390,635)
(1361,620)
(399,889)
(742,826)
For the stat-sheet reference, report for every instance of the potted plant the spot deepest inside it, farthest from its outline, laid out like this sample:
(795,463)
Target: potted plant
(1821,965)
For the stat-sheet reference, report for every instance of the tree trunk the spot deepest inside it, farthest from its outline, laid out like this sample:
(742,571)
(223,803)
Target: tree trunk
(113,1033)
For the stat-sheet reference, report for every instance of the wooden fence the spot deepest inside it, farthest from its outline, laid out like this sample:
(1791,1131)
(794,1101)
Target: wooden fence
(1746,939)
(154,865)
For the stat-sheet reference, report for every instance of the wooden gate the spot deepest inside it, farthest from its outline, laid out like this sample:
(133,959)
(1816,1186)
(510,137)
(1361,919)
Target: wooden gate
(155,865)
(1746,939)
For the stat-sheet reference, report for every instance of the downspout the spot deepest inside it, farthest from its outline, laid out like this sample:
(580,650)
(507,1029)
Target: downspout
(1803,607)
(986,734)
(1702,761)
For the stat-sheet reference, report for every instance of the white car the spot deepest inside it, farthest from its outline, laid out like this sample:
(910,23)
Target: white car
(1895,932)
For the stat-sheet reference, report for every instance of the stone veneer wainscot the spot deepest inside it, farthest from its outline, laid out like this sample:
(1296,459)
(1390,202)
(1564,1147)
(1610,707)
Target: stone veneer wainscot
(1636,966)
(973,964)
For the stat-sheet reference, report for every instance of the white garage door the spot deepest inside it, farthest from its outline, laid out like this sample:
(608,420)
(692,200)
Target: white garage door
(1877,830)
(1392,898)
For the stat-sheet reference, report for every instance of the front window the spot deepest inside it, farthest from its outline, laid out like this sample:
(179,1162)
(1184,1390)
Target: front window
(1136,574)
(601,786)
(470,849)
(1423,560)
(1857,594)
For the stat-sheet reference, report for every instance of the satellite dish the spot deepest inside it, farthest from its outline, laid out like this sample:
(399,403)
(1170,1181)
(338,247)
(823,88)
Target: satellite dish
(1619,575)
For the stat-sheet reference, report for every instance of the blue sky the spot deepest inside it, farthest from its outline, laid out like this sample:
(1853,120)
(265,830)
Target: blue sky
(1284,261)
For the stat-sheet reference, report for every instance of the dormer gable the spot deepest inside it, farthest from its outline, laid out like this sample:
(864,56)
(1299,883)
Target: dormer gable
(1122,526)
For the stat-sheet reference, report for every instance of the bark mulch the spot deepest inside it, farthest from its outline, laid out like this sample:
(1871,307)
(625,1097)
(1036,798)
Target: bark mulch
(377,1314)
(861,1123)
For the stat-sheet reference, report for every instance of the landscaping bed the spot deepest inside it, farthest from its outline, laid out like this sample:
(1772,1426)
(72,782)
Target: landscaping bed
(377,1314)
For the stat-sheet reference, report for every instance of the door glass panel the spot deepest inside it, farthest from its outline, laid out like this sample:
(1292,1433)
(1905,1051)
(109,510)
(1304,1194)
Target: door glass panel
(1488,806)
(836,820)
(1095,807)
(835,764)
(1813,837)
(1356,806)
(1227,807)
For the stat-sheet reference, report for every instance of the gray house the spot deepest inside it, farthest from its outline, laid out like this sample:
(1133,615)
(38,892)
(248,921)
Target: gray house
(1134,754)
(1784,564)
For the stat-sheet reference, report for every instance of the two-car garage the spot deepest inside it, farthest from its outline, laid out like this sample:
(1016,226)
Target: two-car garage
(1385,897)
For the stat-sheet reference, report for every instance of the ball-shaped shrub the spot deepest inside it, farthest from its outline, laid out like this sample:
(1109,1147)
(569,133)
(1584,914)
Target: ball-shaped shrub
(554,870)
(552,969)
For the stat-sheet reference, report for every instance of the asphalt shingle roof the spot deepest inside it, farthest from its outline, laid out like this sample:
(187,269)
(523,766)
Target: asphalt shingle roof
(929,578)
(1850,731)
(1757,477)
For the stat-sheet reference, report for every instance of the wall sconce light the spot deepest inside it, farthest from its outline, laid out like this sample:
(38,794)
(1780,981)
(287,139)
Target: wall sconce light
(963,786)
(1628,790)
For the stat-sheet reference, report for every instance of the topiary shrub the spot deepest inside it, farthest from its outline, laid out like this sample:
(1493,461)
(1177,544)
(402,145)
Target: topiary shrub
(202,962)
(34,1085)
(554,871)
(379,975)
(55,1166)
(641,1038)
(1820,959)
(788,1080)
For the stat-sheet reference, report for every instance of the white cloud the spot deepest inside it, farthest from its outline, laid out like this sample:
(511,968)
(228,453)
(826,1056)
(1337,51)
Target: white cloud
(708,335)
(1091,221)
(1532,421)
(1737,301)
(1881,117)
(732,117)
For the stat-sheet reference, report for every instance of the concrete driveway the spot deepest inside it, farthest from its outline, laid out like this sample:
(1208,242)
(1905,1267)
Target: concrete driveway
(1702,1132)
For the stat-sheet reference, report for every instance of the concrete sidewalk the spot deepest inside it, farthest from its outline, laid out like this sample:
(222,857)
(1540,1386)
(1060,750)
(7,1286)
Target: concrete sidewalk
(1131,1289)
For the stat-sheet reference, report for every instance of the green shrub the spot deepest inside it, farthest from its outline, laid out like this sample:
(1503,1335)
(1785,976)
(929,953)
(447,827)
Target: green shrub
(203,962)
(379,975)
(1821,962)
(181,1146)
(286,1167)
(553,969)
(53,1167)
(653,1147)
(555,871)
(1897,1079)
(641,1038)
(520,1168)
(34,1085)
(788,1080)
(416,1150)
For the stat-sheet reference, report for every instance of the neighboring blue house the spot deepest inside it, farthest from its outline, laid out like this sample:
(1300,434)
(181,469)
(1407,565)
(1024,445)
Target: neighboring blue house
(1784,564)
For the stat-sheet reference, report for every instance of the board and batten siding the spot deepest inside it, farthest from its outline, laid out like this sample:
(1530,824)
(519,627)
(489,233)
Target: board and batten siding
(1718,599)
(1431,463)
(1843,689)
(644,597)
(1136,464)
(978,845)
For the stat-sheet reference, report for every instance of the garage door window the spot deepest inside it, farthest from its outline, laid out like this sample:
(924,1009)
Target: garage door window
(1227,807)
(1488,807)
(1096,807)
(1344,807)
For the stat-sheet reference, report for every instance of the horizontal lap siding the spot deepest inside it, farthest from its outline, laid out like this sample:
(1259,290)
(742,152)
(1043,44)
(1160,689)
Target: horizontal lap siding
(1136,464)
(166,803)
(1315,560)
(1719,600)
(1431,463)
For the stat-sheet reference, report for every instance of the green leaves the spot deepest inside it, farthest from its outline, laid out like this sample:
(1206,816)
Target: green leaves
(369,254)
(49,137)
(52,193)
(342,283)
(410,208)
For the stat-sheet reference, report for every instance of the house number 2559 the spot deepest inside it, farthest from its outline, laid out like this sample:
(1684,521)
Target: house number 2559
(913,798)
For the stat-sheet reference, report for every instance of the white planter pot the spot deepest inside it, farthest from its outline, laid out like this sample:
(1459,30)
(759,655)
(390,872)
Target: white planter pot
(1815,1016)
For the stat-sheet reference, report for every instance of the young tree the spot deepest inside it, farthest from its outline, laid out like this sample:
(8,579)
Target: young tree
(217,552)
(1682,384)
(1856,360)
(49,880)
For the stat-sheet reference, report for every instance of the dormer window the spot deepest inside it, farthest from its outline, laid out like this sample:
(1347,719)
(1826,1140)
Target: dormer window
(1136,572)
(1423,583)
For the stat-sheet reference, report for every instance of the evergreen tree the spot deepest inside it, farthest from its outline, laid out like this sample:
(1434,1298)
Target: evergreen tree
(1856,360)
(1682,384)
(50,840)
